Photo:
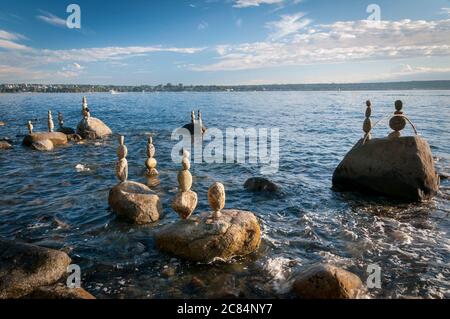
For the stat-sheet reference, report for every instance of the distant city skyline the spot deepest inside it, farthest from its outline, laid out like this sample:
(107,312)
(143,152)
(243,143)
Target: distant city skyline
(225,42)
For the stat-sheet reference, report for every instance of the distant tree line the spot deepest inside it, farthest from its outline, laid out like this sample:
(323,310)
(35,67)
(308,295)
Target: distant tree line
(85,88)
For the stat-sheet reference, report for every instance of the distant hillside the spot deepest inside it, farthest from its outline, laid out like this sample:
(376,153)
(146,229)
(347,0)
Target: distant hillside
(78,88)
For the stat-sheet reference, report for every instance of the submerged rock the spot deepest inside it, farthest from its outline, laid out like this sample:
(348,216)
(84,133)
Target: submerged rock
(201,238)
(327,282)
(135,202)
(59,291)
(400,167)
(260,184)
(66,130)
(57,138)
(25,267)
(5,145)
(93,128)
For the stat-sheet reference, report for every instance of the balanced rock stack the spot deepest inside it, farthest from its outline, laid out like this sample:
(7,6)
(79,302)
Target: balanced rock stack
(62,128)
(91,127)
(150,163)
(196,125)
(399,167)
(220,234)
(185,200)
(367,125)
(44,141)
(132,201)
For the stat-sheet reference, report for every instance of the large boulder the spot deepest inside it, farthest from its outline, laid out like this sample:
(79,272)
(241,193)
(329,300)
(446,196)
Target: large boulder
(327,282)
(43,145)
(57,138)
(201,238)
(260,184)
(93,128)
(135,202)
(400,167)
(59,291)
(25,267)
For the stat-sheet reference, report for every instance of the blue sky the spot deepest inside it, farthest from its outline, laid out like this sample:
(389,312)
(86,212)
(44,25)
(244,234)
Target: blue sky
(224,41)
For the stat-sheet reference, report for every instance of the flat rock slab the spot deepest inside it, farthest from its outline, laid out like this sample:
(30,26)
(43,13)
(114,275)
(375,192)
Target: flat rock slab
(59,291)
(135,202)
(25,267)
(324,281)
(200,238)
(401,167)
(57,138)
(93,128)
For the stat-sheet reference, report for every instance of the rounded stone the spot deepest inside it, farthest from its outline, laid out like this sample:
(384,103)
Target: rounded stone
(122,151)
(216,196)
(368,111)
(184,180)
(186,163)
(367,125)
(398,105)
(184,203)
(394,134)
(150,163)
(234,233)
(397,123)
(151,150)
(135,202)
(5,145)
(93,128)
(57,138)
(327,282)
(122,169)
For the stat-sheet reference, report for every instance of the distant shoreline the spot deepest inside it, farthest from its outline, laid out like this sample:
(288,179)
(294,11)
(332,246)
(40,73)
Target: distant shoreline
(93,88)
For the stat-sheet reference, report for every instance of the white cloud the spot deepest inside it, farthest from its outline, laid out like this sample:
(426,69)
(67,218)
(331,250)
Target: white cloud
(7,40)
(288,24)
(254,3)
(339,42)
(51,19)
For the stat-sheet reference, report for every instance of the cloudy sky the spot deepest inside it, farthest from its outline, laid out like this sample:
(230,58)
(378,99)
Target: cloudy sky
(225,41)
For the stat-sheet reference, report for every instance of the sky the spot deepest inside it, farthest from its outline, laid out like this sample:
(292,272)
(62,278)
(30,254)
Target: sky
(224,42)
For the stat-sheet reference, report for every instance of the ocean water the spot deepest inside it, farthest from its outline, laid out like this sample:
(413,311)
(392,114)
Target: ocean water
(59,199)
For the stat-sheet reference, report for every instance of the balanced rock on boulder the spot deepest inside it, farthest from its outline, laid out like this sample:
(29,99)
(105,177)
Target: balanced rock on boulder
(132,201)
(327,282)
(91,127)
(221,234)
(44,141)
(25,267)
(399,167)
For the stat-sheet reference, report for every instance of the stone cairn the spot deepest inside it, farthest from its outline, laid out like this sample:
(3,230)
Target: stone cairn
(216,199)
(151,162)
(185,201)
(85,110)
(398,121)
(367,126)
(51,126)
(122,164)
(30,127)
(60,120)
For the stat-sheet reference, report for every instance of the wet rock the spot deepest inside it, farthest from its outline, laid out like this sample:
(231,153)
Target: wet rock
(25,267)
(168,272)
(223,286)
(327,282)
(184,203)
(93,128)
(2,123)
(397,167)
(4,145)
(260,184)
(135,202)
(66,130)
(43,145)
(59,291)
(56,138)
(200,238)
